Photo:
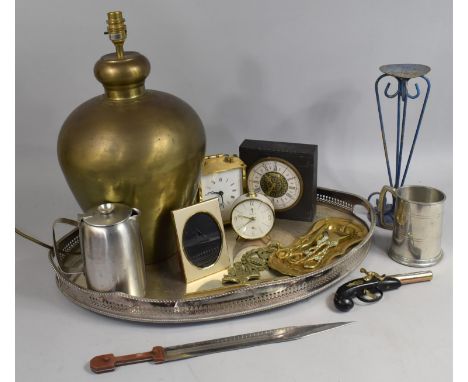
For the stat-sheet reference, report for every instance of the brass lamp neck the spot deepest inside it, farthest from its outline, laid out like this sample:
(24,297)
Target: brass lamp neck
(125,92)
(122,73)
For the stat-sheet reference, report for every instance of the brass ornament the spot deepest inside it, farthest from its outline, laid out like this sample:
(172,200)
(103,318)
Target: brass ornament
(140,147)
(250,265)
(327,239)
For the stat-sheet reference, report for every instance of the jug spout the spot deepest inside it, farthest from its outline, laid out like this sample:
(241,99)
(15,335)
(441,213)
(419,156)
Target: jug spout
(135,214)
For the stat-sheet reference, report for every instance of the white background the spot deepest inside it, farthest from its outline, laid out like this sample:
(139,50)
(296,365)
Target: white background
(296,71)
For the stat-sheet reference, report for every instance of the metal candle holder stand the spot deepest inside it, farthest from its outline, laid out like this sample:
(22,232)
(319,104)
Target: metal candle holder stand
(403,73)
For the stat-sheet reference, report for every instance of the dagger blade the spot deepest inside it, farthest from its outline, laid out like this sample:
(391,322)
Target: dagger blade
(196,349)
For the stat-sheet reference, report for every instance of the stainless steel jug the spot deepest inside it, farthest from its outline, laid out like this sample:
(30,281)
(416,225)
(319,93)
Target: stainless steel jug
(111,247)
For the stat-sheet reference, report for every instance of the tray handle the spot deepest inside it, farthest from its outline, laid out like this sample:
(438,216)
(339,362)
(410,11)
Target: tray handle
(73,223)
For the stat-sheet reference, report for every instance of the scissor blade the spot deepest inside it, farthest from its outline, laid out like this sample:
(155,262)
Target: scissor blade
(197,349)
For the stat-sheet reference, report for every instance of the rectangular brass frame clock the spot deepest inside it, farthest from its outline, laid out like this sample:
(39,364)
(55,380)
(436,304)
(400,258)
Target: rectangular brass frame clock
(201,240)
(217,165)
(297,158)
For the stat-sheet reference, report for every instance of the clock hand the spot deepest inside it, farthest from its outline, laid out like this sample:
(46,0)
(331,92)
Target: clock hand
(250,220)
(221,193)
(247,217)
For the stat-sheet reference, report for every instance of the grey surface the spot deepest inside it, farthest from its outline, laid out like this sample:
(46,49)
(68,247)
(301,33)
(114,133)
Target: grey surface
(296,71)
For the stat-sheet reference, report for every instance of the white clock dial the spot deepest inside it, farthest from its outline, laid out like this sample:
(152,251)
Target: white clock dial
(226,186)
(252,218)
(277,179)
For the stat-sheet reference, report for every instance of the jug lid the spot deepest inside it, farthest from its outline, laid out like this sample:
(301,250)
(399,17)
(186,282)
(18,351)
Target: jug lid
(107,214)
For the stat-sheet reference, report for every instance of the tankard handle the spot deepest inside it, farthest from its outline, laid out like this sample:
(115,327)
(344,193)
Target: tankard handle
(381,206)
(73,223)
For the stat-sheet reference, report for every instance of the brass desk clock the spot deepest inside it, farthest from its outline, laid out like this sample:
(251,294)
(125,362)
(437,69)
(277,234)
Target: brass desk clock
(223,177)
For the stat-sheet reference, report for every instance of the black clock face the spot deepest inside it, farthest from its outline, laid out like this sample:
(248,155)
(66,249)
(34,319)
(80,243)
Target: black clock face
(202,240)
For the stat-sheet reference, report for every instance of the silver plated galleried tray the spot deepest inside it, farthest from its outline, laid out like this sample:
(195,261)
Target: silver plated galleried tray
(170,300)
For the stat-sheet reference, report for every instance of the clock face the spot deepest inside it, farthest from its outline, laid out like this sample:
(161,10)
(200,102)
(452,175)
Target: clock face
(252,218)
(277,179)
(226,186)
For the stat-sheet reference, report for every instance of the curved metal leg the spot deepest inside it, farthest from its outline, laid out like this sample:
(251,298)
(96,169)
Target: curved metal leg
(402,96)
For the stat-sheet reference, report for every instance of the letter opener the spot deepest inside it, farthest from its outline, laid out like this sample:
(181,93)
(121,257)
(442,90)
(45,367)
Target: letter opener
(159,354)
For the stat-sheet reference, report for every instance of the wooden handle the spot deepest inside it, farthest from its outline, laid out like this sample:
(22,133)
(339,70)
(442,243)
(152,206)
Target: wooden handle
(108,362)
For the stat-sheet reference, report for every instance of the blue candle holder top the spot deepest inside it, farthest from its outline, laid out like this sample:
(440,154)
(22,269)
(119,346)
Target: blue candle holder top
(402,73)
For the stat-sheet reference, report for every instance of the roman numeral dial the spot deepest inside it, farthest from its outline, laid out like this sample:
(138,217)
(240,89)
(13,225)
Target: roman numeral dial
(277,179)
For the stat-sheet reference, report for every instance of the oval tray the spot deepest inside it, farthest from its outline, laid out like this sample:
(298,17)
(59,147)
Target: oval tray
(170,300)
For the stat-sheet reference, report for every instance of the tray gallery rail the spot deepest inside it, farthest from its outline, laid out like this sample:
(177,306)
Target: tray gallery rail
(170,300)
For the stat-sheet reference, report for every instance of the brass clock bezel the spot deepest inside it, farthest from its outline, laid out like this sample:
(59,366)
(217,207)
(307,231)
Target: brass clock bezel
(219,163)
(245,198)
(287,163)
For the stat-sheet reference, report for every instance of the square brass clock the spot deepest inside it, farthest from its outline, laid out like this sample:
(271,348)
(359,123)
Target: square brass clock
(223,177)
(286,173)
(201,240)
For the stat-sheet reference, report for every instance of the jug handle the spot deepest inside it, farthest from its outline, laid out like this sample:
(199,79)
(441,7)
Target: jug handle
(62,221)
(381,206)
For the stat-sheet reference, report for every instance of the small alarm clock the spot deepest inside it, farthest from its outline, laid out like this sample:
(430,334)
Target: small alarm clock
(286,173)
(252,216)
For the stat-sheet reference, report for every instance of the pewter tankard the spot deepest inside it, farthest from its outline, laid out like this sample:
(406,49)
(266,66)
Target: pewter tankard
(111,247)
(417,226)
